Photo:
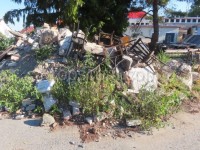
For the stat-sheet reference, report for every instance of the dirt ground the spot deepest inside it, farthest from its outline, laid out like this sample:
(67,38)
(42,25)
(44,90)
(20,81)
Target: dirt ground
(182,133)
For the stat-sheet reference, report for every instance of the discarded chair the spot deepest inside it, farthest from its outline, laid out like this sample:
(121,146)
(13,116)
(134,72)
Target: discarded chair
(140,51)
(105,39)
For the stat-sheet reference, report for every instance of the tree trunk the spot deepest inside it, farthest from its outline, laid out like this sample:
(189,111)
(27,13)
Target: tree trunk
(155,35)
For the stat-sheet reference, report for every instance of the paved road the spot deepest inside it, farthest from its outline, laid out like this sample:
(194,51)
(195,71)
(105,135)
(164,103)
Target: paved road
(183,133)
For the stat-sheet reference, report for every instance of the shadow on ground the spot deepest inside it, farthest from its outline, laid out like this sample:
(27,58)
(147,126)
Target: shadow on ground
(34,123)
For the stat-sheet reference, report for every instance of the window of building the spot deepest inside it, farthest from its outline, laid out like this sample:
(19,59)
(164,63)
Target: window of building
(194,20)
(132,24)
(177,20)
(188,20)
(147,23)
(142,23)
(183,20)
(172,20)
(137,24)
(198,20)
(166,20)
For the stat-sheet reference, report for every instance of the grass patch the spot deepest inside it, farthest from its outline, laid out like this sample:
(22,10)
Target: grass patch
(163,57)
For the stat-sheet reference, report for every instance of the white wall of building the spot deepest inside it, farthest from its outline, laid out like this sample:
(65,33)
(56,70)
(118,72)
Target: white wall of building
(147,31)
(137,20)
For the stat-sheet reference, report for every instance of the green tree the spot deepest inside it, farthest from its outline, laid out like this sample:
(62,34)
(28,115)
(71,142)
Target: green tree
(175,13)
(39,11)
(108,15)
(195,9)
(155,5)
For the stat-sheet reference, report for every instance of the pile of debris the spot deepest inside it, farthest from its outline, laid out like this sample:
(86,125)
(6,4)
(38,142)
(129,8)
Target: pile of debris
(130,57)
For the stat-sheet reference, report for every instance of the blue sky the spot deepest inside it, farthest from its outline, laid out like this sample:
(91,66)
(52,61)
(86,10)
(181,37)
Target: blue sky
(6,5)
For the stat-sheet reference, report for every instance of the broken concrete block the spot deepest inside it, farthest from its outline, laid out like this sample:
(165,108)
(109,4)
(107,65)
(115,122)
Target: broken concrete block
(75,110)
(30,41)
(26,102)
(74,104)
(12,64)
(19,117)
(126,63)
(19,42)
(46,25)
(61,52)
(89,120)
(44,86)
(48,36)
(15,57)
(30,107)
(66,115)
(142,78)
(12,52)
(47,120)
(185,74)
(80,36)
(48,102)
(35,46)
(94,48)
(133,122)
(65,43)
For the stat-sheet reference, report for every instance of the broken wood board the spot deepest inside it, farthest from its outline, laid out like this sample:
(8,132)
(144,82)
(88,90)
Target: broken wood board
(3,53)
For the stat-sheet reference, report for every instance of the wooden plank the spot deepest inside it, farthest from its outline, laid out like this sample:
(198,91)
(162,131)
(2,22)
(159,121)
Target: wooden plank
(3,53)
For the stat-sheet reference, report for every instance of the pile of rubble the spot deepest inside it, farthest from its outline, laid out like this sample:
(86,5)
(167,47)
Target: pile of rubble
(132,58)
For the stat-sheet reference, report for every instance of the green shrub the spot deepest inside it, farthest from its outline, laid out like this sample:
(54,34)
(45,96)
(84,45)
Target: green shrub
(94,93)
(44,52)
(59,91)
(154,107)
(163,57)
(174,84)
(14,89)
(5,42)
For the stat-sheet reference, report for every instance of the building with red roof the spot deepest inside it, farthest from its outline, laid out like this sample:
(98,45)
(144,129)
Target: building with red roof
(135,17)
(27,30)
